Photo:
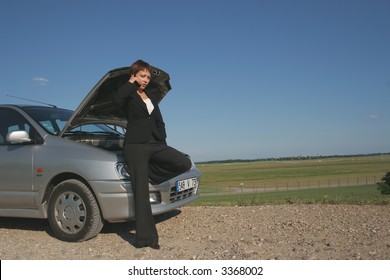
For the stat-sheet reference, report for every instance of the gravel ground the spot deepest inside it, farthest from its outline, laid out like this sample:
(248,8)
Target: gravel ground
(286,232)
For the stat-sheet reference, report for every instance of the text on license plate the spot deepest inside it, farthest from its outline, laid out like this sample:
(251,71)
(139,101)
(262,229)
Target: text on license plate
(186,184)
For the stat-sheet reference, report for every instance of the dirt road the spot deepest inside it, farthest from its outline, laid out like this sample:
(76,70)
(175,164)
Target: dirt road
(288,232)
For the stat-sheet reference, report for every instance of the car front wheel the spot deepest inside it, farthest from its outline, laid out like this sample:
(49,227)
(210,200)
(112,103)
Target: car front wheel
(74,214)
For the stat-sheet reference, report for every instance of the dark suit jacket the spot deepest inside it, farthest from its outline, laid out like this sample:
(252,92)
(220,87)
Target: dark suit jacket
(140,125)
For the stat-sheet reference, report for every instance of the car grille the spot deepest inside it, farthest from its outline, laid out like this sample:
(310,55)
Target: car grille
(177,196)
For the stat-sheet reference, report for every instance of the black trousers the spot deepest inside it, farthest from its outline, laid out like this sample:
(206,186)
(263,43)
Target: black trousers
(158,162)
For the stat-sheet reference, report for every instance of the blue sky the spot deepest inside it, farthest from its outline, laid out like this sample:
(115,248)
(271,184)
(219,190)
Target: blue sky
(251,78)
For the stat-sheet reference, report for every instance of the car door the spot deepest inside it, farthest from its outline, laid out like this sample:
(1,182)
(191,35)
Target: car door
(16,188)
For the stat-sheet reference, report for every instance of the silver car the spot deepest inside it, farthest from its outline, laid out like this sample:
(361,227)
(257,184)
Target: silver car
(68,166)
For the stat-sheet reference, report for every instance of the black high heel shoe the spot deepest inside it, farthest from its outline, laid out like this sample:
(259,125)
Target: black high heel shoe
(154,246)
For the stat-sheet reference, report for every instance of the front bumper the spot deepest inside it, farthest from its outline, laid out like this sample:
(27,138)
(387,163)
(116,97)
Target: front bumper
(116,198)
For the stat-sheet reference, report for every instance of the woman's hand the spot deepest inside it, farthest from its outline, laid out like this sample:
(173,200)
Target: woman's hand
(133,79)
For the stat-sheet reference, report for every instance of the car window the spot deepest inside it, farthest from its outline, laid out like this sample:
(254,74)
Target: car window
(118,128)
(95,129)
(52,120)
(11,120)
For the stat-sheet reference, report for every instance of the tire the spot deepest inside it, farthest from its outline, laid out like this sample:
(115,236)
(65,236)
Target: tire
(73,212)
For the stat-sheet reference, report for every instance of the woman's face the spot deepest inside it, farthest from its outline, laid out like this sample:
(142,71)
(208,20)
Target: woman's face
(143,78)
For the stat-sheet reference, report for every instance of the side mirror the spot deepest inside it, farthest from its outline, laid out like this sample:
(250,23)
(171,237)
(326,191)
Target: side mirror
(18,136)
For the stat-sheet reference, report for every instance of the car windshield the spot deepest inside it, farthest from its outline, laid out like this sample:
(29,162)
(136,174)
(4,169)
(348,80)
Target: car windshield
(94,129)
(52,120)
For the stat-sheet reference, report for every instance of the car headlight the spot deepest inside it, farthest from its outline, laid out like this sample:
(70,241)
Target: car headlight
(122,171)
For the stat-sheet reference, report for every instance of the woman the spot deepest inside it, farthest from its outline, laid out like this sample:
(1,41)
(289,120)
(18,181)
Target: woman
(146,152)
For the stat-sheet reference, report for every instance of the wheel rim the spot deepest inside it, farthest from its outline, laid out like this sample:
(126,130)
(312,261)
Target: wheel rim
(70,212)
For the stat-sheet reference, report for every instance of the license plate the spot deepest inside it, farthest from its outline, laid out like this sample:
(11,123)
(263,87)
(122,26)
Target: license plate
(186,184)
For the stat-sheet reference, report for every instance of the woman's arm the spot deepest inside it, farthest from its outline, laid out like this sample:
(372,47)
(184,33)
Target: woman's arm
(124,93)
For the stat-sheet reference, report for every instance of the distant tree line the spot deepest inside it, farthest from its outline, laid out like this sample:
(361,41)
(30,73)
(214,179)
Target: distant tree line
(291,158)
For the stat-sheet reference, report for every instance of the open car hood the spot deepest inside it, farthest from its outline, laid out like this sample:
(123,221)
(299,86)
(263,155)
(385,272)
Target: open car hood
(97,106)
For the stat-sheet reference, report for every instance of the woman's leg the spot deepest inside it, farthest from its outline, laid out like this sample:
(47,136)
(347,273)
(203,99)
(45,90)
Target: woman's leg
(137,159)
(166,163)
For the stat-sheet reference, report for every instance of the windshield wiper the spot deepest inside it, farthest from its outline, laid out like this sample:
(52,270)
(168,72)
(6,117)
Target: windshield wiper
(94,133)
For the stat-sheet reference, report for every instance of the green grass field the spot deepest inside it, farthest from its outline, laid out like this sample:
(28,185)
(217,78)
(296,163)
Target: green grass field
(349,180)
(359,195)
